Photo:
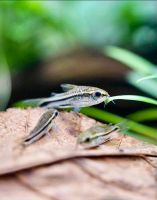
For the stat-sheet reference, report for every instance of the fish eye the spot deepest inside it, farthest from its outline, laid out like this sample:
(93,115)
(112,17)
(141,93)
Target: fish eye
(97,94)
(56,114)
(87,140)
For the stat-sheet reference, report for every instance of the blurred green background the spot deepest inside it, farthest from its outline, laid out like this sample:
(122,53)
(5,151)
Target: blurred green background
(46,43)
(34,30)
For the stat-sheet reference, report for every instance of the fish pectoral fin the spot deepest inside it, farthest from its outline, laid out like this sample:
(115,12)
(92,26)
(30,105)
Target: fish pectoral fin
(67,87)
(76,109)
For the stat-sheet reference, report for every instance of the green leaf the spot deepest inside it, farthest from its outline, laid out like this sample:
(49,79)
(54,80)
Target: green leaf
(5,85)
(140,137)
(132,60)
(147,78)
(140,66)
(144,115)
(132,98)
(147,86)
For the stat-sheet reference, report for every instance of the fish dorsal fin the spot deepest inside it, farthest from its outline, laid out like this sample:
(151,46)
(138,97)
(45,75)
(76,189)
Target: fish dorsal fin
(67,87)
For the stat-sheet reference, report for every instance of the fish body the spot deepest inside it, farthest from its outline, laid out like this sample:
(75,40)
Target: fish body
(74,97)
(43,126)
(96,135)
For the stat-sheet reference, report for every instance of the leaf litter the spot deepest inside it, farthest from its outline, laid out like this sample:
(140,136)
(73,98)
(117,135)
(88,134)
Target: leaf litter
(53,168)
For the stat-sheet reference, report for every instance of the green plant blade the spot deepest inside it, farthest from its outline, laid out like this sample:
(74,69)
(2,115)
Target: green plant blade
(132,60)
(5,85)
(132,98)
(144,115)
(140,137)
(5,76)
(147,78)
(140,66)
(147,86)
(104,116)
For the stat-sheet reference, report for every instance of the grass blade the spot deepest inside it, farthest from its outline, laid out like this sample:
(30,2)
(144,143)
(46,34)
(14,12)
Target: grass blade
(140,137)
(144,115)
(132,98)
(147,86)
(147,78)
(132,60)
(140,66)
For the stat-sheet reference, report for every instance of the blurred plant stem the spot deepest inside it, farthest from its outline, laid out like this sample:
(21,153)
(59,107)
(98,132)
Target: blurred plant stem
(5,83)
(140,68)
(148,86)
(132,98)
(132,60)
(5,79)
(144,115)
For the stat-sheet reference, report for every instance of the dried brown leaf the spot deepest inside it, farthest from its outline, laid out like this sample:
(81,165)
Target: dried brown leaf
(53,168)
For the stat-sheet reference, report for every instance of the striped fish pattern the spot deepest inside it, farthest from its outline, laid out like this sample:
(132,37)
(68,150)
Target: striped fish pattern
(43,126)
(74,96)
